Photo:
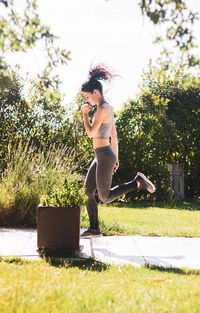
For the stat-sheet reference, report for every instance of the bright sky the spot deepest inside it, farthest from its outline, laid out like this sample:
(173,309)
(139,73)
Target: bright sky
(112,32)
(99,31)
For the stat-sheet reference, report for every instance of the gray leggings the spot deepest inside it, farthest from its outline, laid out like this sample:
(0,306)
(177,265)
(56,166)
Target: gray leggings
(99,177)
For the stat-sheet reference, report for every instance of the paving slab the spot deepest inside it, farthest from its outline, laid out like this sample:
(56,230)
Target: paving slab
(117,250)
(19,242)
(85,249)
(23,243)
(176,252)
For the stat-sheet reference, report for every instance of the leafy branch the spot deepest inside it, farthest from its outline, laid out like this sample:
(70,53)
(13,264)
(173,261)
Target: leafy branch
(179,20)
(22,31)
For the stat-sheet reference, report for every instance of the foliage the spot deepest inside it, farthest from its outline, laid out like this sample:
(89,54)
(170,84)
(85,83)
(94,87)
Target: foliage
(72,193)
(146,141)
(51,121)
(83,146)
(37,114)
(179,19)
(15,115)
(40,116)
(30,173)
(5,81)
(152,133)
(184,112)
(22,30)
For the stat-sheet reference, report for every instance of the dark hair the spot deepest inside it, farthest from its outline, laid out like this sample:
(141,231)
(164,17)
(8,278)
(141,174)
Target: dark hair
(95,74)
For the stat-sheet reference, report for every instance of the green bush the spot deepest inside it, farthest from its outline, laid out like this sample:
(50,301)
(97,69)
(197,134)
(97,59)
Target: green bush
(72,193)
(146,139)
(37,113)
(30,173)
(161,126)
(183,111)
(83,146)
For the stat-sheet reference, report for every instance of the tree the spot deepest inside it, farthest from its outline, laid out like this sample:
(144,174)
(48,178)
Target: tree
(83,146)
(184,112)
(178,19)
(20,31)
(39,116)
(147,140)
(161,126)
(15,115)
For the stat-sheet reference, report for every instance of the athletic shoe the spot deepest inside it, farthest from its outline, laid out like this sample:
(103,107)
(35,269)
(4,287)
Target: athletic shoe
(90,232)
(144,183)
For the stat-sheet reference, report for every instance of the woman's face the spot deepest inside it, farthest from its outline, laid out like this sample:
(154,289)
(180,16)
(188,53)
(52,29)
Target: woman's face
(91,97)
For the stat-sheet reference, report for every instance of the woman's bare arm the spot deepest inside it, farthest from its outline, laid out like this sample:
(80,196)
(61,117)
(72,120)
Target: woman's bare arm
(91,129)
(114,143)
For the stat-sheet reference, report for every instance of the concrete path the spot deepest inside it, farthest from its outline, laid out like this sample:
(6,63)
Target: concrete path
(135,250)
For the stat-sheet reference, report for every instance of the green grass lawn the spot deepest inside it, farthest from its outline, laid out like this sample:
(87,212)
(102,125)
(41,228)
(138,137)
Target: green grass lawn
(55,286)
(183,219)
(50,286)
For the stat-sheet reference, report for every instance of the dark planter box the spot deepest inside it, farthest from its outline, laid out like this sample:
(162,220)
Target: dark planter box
(58,229)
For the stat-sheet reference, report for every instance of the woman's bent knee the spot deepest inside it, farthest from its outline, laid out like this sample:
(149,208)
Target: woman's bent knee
(104,199)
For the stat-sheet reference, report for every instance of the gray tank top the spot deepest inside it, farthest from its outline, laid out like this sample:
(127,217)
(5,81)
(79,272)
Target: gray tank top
(104,130)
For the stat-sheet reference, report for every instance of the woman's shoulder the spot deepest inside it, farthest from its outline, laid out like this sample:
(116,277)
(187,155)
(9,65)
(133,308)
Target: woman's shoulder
(106,109)
(106,106)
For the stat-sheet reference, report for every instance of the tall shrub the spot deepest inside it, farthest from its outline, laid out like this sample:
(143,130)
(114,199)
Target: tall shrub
(38,114)
(161,126)
(83,146)
(184,112)
(146,141)
(31,173)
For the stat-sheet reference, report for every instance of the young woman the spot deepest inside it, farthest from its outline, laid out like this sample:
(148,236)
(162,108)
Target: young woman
(106,162)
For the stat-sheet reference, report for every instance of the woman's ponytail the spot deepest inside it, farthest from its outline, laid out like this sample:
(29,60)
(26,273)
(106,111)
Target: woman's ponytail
(100,73)
(96,74)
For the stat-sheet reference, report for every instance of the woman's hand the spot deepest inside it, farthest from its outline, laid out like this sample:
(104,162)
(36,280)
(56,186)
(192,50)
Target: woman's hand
(86,108)
(116,166)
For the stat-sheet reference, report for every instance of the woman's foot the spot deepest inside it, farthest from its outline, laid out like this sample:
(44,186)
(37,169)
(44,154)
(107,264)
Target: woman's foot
(144,183)
(91,232)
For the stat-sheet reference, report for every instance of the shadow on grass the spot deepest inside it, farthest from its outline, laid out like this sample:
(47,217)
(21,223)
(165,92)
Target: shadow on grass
(14,260)
(193,205)
(95,266)
(81,263)
(174,270)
